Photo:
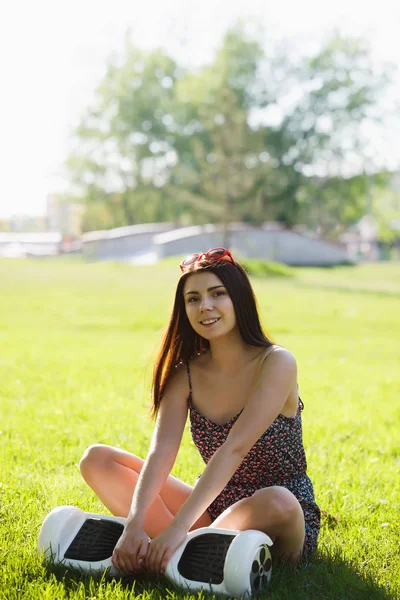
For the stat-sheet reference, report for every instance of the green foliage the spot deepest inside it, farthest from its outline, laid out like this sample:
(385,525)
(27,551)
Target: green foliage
(386,211)
(253,266)
(163,143)
(123,144)
(326,204)
(263,268)
(79,342)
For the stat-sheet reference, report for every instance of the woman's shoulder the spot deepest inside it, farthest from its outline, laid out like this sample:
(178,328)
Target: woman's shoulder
(278,355)
(277,348)
(179,380)
(202,359)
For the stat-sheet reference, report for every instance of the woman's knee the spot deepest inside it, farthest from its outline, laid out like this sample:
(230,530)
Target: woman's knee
(95,457)
(281,504)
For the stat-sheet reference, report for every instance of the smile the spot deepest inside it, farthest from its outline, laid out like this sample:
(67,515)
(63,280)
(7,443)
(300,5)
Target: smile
(210,321)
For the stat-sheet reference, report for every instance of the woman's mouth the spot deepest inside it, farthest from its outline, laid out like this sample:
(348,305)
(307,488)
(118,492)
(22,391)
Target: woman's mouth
(209,322)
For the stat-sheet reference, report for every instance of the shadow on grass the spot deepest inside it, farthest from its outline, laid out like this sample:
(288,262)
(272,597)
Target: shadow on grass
(320,578)
(324,578)
(74,580)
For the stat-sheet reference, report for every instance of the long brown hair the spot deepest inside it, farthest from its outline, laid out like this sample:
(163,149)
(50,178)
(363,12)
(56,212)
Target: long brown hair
(181,342)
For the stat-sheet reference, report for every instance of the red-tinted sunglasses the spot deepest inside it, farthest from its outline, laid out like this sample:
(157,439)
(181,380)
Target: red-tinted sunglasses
(213,255)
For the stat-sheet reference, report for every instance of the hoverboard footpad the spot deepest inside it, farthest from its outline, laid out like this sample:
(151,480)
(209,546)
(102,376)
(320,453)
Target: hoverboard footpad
(95,540)
(204,557)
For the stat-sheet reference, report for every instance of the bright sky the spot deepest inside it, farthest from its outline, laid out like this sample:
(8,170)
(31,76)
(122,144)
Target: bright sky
(53,54)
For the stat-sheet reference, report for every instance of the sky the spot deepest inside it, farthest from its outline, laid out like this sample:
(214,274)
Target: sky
(53,55)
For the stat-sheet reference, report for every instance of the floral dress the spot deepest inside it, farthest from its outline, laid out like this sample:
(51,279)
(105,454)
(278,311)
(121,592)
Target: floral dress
(277,458)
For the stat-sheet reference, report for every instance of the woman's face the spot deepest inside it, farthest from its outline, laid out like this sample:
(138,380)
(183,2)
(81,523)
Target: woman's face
(208,305)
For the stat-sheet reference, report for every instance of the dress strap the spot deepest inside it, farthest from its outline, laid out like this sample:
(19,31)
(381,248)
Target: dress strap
(189,379)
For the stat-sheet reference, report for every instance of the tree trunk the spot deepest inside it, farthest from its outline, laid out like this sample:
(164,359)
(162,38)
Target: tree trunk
(227,219)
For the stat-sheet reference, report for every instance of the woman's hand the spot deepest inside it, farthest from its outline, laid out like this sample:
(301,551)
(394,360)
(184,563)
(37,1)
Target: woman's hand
(162,547)
(131,550)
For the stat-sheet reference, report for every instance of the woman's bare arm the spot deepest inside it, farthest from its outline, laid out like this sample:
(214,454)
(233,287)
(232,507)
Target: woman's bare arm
(164,446)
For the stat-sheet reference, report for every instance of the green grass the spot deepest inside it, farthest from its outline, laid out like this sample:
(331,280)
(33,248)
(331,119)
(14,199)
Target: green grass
(77,346)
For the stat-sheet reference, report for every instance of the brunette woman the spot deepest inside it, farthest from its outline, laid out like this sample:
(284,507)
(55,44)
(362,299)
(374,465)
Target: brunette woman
(241,394)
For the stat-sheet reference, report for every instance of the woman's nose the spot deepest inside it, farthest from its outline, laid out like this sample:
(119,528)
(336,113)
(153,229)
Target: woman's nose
(206,304)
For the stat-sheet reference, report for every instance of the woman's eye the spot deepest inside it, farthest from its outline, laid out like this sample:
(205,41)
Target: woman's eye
(191,300)
(220,293)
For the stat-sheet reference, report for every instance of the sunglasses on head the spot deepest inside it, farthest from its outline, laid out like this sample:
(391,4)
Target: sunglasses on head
(213,255)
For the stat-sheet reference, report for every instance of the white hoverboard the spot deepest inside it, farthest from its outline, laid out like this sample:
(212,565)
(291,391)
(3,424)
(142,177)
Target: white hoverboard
(233,563)
(223,561)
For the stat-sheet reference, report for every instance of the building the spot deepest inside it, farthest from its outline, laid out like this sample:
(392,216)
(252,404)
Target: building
(22,245)
(65,217)
(151,242)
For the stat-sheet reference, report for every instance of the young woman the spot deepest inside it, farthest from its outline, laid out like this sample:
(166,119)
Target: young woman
(241,393)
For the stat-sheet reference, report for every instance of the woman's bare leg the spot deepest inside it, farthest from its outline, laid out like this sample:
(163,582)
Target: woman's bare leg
(274,510)
(113,473)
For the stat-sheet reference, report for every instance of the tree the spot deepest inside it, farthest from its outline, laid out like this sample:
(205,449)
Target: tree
(242,165)
(219,168)
(328,204)
(321,130)
(255,135)
(124,144)
(386,209)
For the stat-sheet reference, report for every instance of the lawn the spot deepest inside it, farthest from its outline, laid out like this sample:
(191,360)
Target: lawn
(77,346)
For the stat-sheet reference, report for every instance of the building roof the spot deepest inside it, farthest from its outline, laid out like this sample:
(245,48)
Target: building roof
(43,237)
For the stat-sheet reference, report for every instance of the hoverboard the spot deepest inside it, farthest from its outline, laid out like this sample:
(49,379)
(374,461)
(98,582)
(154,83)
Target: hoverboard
(224,561)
